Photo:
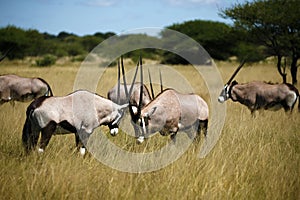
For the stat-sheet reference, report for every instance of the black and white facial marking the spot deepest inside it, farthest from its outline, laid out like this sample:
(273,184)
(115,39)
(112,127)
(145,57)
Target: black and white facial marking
(224,95)
(226,92)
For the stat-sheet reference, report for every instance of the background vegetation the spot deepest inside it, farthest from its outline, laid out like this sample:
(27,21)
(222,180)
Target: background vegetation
(260,29)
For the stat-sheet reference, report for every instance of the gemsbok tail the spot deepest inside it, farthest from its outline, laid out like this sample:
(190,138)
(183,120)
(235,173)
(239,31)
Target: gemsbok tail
(298,103)
(49,93)
(30,134)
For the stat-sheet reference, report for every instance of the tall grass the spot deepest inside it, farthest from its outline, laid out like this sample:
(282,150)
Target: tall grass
(255,158)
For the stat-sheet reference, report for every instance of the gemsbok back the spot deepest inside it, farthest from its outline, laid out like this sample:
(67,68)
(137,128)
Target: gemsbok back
(170,112)
(16,88)
(79,112)
(258,95)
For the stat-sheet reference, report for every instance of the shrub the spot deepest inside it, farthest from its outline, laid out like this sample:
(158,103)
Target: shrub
(47,60)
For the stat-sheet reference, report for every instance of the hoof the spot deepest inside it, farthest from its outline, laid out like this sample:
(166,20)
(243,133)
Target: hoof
(114,131)
(82,151)
(141,139)
(40,150)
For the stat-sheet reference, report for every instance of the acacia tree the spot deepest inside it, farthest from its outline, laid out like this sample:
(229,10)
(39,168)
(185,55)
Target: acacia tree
(275,24)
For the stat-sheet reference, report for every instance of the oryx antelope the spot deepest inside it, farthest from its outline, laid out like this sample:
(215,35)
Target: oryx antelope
(258,95)
(16,88)
(170,112)
(79,112)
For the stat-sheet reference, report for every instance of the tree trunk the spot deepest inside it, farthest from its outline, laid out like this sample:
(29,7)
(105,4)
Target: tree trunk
(283,75)
(294,69)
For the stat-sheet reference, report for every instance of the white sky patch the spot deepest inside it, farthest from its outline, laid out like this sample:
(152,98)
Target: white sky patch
(100,3)
(185,2)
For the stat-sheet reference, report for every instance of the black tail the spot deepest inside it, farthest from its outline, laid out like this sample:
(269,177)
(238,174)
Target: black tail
(50,93)
(30,134)
(203,124)
(298,103)
(27,143)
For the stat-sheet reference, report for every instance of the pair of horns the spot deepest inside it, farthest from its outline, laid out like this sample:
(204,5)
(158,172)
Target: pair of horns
(151,86)
(128,94)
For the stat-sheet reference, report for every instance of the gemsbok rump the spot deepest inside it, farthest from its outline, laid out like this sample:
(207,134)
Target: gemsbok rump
(170,112)
(257,95)
(79,112)
(16,88)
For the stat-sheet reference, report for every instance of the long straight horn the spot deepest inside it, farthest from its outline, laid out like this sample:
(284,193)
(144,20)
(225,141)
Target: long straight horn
(151,86)
(236,71)
(118,90)
(160,79)
(141,89)
(133,81)
(124,78)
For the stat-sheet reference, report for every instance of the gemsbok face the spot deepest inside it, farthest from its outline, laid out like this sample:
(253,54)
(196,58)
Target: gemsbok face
(16,88)
(257,95)
(79,112)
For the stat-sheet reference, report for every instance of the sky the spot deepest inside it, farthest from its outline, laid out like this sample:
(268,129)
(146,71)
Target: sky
(86,17)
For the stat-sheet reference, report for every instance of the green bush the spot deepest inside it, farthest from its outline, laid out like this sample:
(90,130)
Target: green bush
(47,60)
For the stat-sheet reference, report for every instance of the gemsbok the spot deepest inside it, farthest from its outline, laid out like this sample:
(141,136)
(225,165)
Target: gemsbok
(16,88)
(79,112)
(170,112)
(258,95)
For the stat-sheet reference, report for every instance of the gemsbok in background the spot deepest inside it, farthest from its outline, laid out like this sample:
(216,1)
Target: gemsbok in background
(258,95)
(16,88)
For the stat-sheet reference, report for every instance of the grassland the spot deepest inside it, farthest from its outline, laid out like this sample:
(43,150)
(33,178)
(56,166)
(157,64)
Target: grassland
(255,158)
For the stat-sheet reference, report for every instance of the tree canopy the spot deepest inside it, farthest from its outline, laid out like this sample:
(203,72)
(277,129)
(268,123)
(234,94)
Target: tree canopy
(273,24)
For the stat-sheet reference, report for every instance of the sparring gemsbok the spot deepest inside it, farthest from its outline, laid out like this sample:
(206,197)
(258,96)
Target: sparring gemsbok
(258,95)
(119,94)
(170,112)
(16,88)
(79,112)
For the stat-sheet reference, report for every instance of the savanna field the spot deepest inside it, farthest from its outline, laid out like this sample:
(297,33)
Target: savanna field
(254,158)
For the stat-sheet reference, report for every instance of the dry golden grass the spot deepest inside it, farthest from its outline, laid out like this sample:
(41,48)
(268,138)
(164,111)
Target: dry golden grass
(255,158)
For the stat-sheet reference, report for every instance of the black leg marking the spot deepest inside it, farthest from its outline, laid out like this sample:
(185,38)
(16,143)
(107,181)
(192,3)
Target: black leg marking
(47,134)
